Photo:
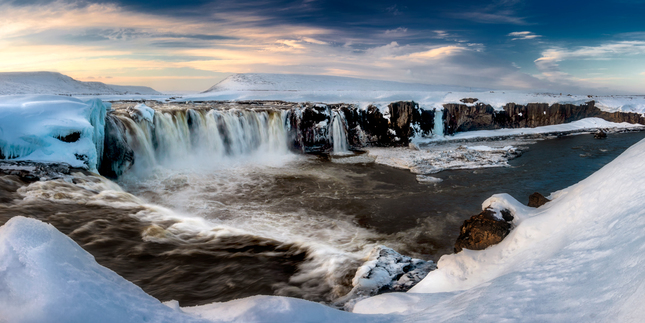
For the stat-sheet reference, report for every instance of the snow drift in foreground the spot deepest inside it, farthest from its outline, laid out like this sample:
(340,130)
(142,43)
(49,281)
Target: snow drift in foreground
(56,83)
(333,89)
(50,128)
(47,277)
(579,258)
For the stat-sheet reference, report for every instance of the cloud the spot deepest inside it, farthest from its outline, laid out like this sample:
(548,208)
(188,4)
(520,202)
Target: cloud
(499,17)
(520,35)
(549,63)
(400,30)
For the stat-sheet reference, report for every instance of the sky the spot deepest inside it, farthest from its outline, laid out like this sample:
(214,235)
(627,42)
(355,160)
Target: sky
(582,47)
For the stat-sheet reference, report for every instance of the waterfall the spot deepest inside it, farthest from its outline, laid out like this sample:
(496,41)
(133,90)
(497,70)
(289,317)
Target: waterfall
(339,134)
(205,136)
(438,123)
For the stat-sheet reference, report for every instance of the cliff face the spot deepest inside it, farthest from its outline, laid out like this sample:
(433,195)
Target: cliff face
(309,126)
(461,117)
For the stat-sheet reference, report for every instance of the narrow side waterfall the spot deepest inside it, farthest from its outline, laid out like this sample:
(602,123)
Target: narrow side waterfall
(206,136)
(437,131)
(339,134)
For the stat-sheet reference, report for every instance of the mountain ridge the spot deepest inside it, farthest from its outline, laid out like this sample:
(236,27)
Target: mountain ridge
(56,83)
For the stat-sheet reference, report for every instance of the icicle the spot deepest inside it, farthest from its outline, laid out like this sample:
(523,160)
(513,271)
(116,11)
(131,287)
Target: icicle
(438,123)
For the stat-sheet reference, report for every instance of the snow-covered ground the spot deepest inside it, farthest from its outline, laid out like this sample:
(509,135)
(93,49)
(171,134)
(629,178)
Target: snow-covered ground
(56,83)
(332,89)
(578,258)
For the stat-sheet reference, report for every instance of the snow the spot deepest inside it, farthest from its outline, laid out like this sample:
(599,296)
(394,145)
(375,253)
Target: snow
(333,89)
(142,111)
(434,159)
(47,277)
(30,128)
(577,258)
(587,124)
(56,83)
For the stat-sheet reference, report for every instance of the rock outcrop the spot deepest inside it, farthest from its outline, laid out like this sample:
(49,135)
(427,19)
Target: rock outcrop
(479,116)
(118,156)
(483,230)
(536,200)
(385,271)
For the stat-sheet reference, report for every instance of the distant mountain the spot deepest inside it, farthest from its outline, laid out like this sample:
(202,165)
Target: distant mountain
(56,83)
(296,82)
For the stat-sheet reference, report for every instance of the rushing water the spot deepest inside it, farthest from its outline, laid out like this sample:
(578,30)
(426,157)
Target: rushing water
(243,216)
(339,134)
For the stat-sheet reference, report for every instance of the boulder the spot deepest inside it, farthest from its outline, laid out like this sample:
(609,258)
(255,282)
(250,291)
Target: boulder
(600,134)
(483,230)
(536,200)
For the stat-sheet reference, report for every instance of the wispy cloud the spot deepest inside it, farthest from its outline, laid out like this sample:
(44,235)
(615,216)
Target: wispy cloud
(498,17)
(520,35)
(549,63)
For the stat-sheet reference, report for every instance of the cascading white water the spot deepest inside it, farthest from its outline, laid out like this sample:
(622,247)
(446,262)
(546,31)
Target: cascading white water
(206,136)
(438,123)
(339,134)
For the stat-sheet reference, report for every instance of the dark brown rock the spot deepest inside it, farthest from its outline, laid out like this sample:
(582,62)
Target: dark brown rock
(483,230)
(536,200)
(462,117)
(469,100)
(600,135)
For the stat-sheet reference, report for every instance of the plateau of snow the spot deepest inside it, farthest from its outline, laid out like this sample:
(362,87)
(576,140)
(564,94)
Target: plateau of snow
(33,128)
(56,83)
(579,258)
(334,89)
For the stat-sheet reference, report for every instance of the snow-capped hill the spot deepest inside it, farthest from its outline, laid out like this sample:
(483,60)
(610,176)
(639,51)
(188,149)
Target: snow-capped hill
(296,82)
(56,83)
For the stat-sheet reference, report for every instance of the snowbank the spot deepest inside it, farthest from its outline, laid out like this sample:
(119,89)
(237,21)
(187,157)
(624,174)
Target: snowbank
(47,277)
(48,128)
(578,258)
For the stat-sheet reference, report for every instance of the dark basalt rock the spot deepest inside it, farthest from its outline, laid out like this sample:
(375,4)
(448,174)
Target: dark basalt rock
(315,138)
(469,100)
(600,134)
(118,156)
(461,117)
(536,200)
(72,137)
(483,230)
(33,171)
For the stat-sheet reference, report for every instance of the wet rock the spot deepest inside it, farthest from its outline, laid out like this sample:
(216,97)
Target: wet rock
(600,134)
(469,100)
(33,171)
(536,200)
(315,127)
(462,117)
(483,230)
(118,156)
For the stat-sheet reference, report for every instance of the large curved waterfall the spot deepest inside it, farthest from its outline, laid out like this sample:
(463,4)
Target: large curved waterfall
(205,136)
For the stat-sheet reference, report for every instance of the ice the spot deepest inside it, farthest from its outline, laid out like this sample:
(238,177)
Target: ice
(48,128)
